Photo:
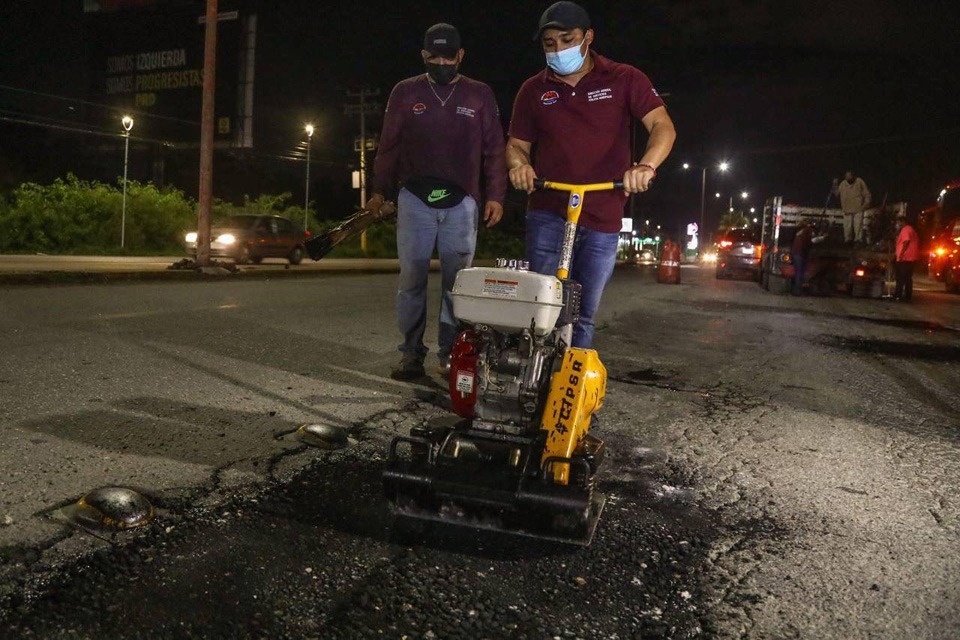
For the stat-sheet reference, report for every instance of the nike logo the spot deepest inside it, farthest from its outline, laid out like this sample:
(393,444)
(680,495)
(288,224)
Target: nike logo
(437,194)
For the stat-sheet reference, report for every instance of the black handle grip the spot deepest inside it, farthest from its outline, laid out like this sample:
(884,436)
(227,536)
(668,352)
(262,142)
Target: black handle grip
(618,184)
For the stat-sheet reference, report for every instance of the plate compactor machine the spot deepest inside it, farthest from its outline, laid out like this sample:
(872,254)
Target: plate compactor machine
(523,459)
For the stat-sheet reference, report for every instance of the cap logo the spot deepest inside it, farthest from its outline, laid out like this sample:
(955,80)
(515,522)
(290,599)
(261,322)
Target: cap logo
(440,41)
(549,97)
(419,108)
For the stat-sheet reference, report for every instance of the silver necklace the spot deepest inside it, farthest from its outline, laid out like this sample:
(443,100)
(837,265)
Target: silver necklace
(443,103)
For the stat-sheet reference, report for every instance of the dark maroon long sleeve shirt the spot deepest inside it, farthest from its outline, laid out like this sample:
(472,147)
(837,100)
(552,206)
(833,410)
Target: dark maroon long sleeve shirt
(457,141)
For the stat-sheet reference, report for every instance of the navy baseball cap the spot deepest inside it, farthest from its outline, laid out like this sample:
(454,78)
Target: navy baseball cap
(564,16)
(442,40)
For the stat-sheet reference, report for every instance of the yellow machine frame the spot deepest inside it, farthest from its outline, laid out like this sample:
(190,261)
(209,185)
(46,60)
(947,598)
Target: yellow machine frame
(577,389)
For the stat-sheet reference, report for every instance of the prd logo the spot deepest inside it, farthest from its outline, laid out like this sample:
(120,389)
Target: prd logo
(574,200)
(549,97)
(419,108)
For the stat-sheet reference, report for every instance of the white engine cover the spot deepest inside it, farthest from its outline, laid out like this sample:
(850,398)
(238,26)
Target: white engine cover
(507,299)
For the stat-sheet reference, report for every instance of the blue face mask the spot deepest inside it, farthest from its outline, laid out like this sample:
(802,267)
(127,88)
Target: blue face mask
(566,61)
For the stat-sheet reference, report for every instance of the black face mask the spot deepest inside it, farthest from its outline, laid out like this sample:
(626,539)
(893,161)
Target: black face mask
(442,73)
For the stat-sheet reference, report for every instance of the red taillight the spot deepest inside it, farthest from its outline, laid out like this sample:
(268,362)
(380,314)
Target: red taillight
(307,233)
(462,382)
(860,273)
(725,243)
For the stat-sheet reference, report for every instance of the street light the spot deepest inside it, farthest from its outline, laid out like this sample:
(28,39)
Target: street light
(127,123)
(306,198)
(744,195)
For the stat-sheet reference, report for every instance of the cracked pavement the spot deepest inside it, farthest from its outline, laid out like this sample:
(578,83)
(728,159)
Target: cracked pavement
(777,468)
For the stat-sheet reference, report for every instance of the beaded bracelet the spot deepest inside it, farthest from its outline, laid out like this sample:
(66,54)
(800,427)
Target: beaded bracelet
(648,166)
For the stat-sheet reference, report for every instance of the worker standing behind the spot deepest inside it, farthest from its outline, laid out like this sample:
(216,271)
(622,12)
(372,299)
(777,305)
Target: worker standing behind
(854,200)
(441,136)
(908,250)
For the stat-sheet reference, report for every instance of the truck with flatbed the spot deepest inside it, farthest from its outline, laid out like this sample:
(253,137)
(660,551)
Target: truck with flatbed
(833,267)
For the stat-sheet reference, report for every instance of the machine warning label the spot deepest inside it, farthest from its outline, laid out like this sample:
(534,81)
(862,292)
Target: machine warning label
(500,288)
(464,383)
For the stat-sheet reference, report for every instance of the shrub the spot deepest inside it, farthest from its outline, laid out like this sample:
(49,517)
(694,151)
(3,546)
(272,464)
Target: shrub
(73,215)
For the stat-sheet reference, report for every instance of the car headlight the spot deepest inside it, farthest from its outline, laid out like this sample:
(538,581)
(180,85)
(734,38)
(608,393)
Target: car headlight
(709,257)
(191,237)
(226,238)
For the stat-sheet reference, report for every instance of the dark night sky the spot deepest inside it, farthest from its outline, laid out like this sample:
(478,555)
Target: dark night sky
(790,93)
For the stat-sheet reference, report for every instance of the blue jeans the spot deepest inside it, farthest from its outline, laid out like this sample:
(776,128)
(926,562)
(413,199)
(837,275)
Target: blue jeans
(420,228)
(594,256)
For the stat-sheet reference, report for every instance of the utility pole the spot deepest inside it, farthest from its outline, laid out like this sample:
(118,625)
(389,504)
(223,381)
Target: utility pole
(361,109)
(206,135)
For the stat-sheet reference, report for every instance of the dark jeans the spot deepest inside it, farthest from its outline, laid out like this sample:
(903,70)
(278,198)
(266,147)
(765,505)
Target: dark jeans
(799,271)
(904,271)
(594,256)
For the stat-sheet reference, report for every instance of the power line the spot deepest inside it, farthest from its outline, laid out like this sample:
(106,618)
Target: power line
(97,104)
(75,129)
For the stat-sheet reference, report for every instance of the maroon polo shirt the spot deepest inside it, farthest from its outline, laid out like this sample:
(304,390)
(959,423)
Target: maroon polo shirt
(456,141)
(582,134)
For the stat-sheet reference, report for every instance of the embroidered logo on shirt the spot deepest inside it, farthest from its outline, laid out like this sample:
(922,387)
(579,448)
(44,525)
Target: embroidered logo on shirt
(419,108)
(599,94)
(549,97)
(437,194)
(464,111)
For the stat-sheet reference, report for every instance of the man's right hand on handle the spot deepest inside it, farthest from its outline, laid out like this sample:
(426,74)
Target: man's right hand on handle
(522,177)
(374,203)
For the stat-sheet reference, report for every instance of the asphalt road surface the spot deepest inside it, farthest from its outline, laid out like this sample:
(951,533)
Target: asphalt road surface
(778,467)
(22,264)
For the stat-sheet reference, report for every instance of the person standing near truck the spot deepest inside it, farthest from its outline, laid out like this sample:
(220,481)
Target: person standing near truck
(800,255)
(908,250)
(441,135)
(854,201)
(571,123)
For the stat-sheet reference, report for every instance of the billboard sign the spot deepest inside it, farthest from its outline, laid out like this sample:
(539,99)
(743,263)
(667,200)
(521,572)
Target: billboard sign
(150,63)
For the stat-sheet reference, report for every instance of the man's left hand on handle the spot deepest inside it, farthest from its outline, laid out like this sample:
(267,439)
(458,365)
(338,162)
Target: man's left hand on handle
(637,179)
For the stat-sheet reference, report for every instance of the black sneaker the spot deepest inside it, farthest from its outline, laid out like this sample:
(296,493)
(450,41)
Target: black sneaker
(410,368)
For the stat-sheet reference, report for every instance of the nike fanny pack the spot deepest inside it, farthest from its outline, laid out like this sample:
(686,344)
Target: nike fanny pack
(436,192)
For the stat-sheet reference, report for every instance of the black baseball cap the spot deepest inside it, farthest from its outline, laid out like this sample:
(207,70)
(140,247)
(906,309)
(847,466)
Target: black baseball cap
(442,40)
(564,16)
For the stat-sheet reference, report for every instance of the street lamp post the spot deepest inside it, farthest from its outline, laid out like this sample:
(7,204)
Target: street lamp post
(306,203)
(127,123)
(722,167)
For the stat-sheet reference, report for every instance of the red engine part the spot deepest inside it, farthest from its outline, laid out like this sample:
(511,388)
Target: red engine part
(463,374)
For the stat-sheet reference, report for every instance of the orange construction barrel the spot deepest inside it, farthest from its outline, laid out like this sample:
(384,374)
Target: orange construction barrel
(668,271)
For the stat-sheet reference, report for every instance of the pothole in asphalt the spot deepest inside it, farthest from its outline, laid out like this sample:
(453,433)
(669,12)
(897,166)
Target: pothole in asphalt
(645,375)
(927,326)
(110,508)
(907,350)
